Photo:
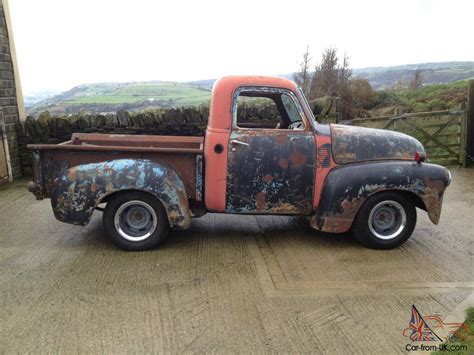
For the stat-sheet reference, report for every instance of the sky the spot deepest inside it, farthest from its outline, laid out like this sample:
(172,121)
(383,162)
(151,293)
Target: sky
(64,43)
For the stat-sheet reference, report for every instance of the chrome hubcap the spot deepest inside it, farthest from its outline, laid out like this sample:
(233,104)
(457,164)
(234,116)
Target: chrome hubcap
(387,220)
(135,221)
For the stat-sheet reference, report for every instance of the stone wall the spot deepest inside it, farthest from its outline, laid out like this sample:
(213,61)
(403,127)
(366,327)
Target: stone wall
(54,130)
(9,108)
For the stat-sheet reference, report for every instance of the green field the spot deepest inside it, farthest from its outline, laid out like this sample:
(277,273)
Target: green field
(135,96)
(174,93)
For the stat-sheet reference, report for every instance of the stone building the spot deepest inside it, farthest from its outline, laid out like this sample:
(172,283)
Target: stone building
(11,100)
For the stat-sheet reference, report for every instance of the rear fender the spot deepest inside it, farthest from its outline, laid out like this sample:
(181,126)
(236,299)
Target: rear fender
(347,187)
(77,192)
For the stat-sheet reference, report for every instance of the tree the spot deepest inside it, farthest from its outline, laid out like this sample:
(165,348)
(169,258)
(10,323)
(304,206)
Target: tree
(332,76)
(303,77)
(362,93)
(325,78)
(417,80)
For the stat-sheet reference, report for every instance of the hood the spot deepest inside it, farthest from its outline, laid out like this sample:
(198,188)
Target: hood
(354,144)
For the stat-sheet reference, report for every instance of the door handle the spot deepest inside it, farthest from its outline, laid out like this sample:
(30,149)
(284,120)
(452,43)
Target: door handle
(235,141)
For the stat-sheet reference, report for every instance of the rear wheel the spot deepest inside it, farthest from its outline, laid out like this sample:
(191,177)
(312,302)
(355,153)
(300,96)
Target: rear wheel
(385,221)
(135,221)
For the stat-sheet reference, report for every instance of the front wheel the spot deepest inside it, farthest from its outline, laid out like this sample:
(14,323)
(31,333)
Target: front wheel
(135,221)
(385,221)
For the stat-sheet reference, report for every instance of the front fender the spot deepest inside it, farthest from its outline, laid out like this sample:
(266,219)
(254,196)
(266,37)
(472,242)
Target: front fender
(77,192)
(347,187)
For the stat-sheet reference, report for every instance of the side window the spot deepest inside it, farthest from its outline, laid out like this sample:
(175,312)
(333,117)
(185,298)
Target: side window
(257,112)
(267,108)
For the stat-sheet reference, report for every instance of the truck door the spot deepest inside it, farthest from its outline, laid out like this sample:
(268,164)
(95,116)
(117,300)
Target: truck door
(272,150)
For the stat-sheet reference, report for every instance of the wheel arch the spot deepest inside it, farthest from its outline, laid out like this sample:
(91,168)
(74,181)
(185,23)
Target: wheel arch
(417,200)
(80,189)
(347,187)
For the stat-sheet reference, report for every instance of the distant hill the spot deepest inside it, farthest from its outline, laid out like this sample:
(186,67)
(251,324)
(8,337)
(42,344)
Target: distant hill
(432,73)
(111,97)
(133,96)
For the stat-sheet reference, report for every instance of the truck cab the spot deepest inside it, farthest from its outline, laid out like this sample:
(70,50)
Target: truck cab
(263,153)
(260,164)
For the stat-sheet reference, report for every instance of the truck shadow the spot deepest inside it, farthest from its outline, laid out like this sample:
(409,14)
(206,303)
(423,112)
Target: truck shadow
(223,229)
(227,228)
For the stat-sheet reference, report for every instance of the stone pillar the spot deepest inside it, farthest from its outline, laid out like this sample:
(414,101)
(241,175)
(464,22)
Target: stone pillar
(470,126)
(8,91)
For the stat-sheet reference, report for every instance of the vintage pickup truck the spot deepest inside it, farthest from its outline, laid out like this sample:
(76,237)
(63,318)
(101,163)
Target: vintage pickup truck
(341,177)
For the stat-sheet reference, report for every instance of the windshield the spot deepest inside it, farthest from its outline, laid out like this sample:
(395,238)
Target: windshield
(290,107)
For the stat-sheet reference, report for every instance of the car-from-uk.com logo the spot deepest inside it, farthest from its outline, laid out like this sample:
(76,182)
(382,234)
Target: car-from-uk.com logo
(431,329)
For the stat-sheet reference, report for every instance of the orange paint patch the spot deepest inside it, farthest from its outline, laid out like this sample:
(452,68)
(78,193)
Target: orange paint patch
(267,178)
(283,163)
(297,158)
(281,138)
(261,204)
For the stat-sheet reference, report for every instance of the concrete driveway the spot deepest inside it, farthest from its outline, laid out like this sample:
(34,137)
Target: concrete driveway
(229,284)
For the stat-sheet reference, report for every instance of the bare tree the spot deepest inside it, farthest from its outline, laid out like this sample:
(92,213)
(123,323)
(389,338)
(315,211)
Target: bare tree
(303,77)
(332,76)
(417,80)
(325,78)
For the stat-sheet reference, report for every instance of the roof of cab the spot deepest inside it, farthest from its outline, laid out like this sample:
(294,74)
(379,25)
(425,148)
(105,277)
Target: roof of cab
(235,82)
(223,89)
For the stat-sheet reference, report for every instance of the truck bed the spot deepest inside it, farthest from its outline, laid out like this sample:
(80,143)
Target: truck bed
(182,154)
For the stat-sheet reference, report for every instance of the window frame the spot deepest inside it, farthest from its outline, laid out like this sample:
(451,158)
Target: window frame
(273,90)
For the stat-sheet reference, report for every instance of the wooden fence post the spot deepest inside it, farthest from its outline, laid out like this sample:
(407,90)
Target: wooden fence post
(470,125)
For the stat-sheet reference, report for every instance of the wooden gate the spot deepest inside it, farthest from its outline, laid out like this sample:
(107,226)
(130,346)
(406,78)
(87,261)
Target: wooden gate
(443,133)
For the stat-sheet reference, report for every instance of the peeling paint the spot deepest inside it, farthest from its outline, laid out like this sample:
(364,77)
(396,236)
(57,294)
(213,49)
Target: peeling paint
(347,187)
(78,191)
(357,144)
(271,175)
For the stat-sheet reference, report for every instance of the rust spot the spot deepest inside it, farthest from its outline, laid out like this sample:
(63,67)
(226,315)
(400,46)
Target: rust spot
(334,224)
(297,158)
(261,204)
(283,163)
(350,206)
(267,178)
(434,184)
(281,138)
(285,208)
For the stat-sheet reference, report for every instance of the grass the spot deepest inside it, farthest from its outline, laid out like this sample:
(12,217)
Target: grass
(434,97)
(462,337)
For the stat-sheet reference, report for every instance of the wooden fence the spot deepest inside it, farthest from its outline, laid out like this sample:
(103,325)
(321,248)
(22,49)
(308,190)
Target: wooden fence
(443,133)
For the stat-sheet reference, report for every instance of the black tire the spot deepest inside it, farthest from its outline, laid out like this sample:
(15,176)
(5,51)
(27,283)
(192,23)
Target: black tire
(136,221)
(395,211)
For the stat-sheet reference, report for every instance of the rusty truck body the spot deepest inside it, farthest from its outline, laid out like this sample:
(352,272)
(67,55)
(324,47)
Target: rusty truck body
(341,177)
